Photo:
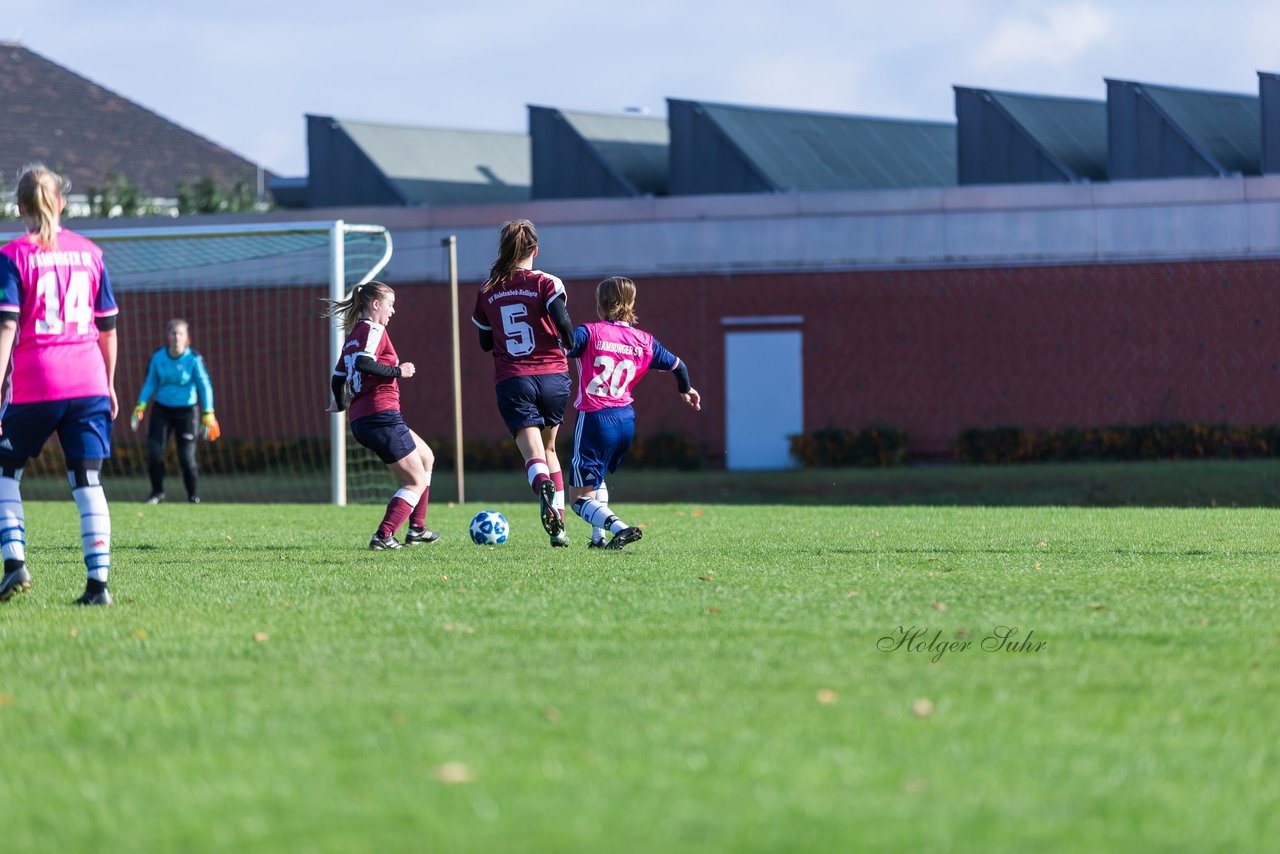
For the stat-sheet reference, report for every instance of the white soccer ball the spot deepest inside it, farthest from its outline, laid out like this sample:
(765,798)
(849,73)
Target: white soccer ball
(489,528)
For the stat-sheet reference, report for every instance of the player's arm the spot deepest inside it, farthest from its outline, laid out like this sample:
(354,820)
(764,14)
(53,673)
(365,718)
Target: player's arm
(665,360)
(10,300)
(558,309)
(580,337)
(368,365)
(486,333)
(341,394)
(108,345)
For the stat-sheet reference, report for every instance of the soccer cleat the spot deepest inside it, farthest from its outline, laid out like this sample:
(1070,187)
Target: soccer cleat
(154,498)
(551,520)
(596,544)
(560,541)
(193,499)
(378,544)
(95,593)
(624,537)
(419,536)
(15,582)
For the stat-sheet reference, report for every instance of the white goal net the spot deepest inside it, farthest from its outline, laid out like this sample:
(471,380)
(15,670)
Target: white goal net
(251,296)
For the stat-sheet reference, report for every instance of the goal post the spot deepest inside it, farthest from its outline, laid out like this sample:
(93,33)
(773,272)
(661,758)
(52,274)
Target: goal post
(251,295)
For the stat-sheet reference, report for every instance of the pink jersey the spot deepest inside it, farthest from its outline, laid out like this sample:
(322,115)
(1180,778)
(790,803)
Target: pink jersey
(524,338)
(613,357)
(57,294)
(370,393)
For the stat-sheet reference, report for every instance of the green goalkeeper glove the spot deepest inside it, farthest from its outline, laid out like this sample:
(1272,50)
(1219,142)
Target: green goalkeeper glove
(135,419)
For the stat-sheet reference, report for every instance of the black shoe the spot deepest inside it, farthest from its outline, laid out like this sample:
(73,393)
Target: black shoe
(193,499)
(624,537)
(560,541)
(378,544)
(95,593)
(418,536)
(154,498)
(596,544)
(15,582)
(551,520)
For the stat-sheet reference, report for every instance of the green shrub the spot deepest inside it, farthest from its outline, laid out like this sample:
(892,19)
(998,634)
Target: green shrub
(837,447)
(1118,442)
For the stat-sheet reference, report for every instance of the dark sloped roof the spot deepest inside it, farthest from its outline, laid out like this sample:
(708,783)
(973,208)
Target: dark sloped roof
(83,131)
(1225,126)
(440,166)
(634,145)
(1072,131)
(797,150)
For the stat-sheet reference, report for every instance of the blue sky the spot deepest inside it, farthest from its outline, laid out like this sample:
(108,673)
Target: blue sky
(244,73)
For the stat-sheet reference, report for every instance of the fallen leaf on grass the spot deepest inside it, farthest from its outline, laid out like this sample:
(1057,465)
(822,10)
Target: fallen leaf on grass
(697,513)
(1037,564)
(397,718)
(922,707)
(827,697)
(75,633)
(707,577)
(713,610)
(1097,606)
(962,633)
(140,634)
(6,700)
(1041,544)
(259,637)
(454,772)
(852,593)
(939,606)
(552,714)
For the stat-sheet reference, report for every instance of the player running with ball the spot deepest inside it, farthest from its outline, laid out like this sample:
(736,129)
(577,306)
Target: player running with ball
(365,381)
(614,355)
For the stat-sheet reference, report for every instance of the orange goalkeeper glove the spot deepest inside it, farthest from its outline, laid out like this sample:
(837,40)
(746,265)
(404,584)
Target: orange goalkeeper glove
(209,428)
(135,419)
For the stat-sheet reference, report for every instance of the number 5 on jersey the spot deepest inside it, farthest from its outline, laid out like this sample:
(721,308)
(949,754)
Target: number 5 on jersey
(76,309)
(518,333)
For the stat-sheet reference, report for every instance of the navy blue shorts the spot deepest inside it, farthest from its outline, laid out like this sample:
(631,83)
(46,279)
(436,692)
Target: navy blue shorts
(83,425)
(537,400)
(600,440)
(386,434)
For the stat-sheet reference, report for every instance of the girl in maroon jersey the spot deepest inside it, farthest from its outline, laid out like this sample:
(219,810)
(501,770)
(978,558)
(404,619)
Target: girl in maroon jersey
(366,382)
(522,317)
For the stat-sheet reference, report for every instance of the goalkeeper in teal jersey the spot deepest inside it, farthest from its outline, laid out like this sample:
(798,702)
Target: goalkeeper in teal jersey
(176,376)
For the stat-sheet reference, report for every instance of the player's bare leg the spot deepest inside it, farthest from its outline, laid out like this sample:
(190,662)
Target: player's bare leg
(529,441)
(560,540)
(418,533)
(412,474)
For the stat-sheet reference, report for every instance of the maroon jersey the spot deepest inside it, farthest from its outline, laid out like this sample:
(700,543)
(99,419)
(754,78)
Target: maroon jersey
(524,338)
(370,393)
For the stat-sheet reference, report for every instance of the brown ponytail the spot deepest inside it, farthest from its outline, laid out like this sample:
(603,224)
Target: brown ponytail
(349,310)
(40,194)
(518,240)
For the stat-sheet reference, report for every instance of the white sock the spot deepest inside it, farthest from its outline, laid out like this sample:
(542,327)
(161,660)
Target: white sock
(13,525)
(95,527)
(602,495)
(408,496)
(598,515)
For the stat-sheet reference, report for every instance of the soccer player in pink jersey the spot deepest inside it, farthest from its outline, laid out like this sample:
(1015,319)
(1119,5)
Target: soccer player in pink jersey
(58,324)
(613,355)
(523,317)
(366,383)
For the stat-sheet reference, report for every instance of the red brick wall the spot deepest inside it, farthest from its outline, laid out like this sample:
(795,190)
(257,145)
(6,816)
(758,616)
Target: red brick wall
(931,351)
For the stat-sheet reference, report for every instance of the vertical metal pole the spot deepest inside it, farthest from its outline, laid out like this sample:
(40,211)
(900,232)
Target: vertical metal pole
(338,420)
(452,242)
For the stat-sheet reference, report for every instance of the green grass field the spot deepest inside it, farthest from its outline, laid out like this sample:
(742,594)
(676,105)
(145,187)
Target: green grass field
(266,684)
